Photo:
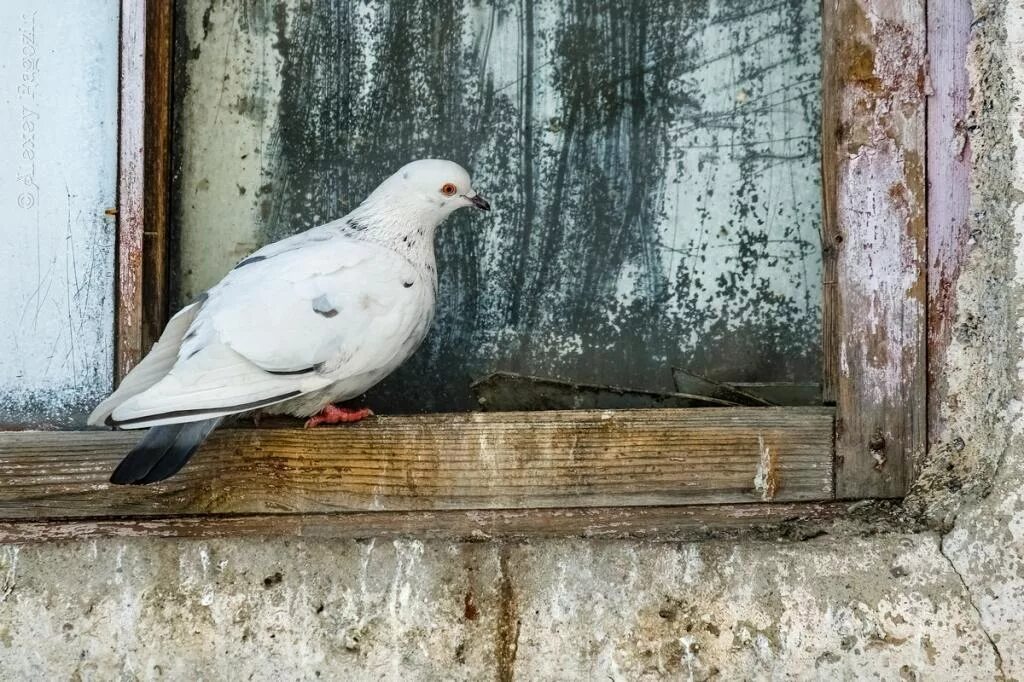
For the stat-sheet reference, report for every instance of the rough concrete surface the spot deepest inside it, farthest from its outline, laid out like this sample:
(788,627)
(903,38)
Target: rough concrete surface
(945,603)
(986,543)
(831,607)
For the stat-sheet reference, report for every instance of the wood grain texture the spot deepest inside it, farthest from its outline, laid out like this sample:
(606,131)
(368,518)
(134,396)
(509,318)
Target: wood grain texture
(875,235)
(656,523)
(157,167)
(429,462)
(831,237)
(130,186)
(949,162)
(143,178)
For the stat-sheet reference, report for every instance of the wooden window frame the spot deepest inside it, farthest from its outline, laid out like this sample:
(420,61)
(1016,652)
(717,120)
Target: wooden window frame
(886,306)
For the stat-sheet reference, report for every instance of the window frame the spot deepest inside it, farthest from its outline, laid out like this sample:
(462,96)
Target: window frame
(884,139)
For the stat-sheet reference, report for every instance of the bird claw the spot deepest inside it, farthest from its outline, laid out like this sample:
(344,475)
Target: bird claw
(332,414)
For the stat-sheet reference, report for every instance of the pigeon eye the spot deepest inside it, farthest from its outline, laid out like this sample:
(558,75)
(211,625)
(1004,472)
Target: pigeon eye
(448,189)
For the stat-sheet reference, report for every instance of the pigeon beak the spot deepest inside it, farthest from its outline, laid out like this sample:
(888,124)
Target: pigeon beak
(479,202)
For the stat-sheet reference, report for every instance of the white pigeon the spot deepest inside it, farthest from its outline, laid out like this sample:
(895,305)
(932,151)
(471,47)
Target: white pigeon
(303,323)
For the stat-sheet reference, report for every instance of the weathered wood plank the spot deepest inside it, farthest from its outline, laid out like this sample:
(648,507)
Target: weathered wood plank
(831,237)
(459,461)
(157,178)
(143,178)
(661,523)
(949,162)
(875,234)
(130,186)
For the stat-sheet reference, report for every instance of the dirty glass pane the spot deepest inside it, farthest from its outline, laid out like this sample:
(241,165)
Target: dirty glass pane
(654,168)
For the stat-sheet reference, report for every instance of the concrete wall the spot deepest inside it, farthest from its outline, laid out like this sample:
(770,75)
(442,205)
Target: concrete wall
(945,601)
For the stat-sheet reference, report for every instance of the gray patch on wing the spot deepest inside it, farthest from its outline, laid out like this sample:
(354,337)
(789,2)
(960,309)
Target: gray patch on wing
(356,226)
(322,306)
(247,261)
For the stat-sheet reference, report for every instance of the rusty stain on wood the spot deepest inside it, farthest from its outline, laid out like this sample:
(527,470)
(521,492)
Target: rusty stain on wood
(453,461)
(874,236)
(656,523)
(949,161)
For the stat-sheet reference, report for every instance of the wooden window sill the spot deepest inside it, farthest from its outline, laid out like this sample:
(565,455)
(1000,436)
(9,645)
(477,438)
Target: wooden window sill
(514,469)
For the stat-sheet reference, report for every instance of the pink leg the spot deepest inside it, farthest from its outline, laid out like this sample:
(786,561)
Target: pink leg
(332,414)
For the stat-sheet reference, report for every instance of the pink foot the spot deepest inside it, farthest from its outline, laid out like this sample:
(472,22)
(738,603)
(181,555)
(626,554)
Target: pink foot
(332,414)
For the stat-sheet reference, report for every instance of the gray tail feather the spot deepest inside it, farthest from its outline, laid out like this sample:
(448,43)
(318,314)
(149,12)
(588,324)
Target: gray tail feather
(162,452)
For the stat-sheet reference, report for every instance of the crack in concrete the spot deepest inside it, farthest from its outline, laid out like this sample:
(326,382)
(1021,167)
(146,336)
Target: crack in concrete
(974,605)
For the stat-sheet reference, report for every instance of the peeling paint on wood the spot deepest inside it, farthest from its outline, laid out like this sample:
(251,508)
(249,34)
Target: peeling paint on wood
(131,185)
(58,127)
(874,146)
(653,167)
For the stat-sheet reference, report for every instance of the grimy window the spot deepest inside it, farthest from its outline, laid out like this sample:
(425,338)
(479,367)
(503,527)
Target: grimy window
(712,213)
(654,169)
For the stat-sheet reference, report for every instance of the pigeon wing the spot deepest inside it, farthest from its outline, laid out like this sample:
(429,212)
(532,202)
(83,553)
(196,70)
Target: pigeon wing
(281,326)
(154,367)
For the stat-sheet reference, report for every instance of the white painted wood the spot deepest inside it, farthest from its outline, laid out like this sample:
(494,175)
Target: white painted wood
(58,133)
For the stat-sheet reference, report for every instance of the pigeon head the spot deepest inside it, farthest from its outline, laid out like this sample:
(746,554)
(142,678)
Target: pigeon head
(439,185)
(422,194)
